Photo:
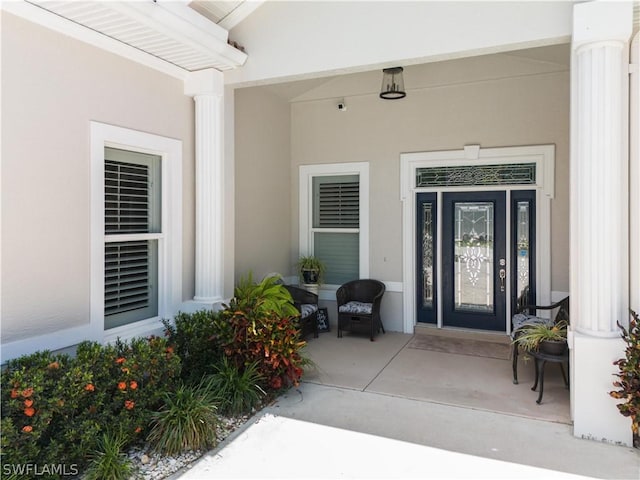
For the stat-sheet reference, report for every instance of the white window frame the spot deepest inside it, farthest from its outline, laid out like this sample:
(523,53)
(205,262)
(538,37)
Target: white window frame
(169,240)
(306,175)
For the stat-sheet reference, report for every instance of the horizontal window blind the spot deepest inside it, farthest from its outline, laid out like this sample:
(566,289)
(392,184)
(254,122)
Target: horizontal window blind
(340,253)
(126,198)
(336,202)
(336,206)
(126,276)
(132,207)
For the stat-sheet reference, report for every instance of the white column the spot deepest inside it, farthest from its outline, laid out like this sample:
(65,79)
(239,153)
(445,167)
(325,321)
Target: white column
(634,175)
(599,214)
(207,89)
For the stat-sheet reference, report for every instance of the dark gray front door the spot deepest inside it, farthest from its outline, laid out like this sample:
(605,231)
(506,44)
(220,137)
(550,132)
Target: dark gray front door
(474,260)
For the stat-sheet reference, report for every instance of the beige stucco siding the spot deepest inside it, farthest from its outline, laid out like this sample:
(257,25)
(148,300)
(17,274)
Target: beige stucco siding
(263,183)
(52,87)
(507,112)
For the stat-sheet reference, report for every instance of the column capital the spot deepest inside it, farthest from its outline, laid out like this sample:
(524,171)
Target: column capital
(204,82)
(602,21)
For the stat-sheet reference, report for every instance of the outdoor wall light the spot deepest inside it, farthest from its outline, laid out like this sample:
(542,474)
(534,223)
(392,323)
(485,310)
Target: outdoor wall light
(392,84)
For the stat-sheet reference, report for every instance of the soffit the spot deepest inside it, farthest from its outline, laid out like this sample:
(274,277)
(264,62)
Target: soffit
(168,30)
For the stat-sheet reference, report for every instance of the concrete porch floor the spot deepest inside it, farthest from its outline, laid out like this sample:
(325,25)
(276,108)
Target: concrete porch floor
(440,402)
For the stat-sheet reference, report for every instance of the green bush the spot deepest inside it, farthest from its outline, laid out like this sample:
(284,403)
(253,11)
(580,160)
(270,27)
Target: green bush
(236,391)
(109,461)
(259,327)
(628,382)
(194,338)
(187,421)
(55,407)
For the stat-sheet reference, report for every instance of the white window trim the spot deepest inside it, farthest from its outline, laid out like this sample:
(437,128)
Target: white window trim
(544,158)
(169,241)
(306,174)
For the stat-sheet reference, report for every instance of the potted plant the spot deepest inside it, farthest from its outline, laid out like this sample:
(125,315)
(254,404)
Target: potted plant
(550,339)
(311,270)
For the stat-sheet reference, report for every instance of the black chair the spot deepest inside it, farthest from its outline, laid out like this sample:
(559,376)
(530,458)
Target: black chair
(525,317)
(359,306)
(307,304)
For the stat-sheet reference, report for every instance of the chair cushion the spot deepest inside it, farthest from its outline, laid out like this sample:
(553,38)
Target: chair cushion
(307,309)
(356,307)
(521,320)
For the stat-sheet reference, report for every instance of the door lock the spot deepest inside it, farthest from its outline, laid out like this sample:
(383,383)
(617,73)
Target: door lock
(502,274)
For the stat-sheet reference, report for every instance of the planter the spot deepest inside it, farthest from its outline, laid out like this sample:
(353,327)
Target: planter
(553,347)
(310,276)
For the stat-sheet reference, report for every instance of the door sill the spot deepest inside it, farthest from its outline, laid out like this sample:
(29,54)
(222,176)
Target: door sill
(454,332)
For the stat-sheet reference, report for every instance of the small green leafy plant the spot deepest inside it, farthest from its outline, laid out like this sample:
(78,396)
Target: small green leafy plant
(628,383)
(531,336)
(187,421)
(311,269)
(109,461)
(237,390)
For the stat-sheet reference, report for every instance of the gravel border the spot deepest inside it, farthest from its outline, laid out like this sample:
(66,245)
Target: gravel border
(149,465)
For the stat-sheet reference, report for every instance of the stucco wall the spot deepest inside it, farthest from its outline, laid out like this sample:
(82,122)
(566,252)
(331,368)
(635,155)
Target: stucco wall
(52,86)
(508,112)
(262,183)
(519,110)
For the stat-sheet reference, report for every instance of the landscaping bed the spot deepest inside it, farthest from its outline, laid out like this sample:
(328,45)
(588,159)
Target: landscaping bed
(148,407)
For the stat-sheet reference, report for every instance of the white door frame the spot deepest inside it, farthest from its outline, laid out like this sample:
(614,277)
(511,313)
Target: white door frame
(544,158)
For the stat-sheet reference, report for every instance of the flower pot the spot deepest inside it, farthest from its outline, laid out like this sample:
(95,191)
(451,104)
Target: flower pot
(310,276)
(553,347)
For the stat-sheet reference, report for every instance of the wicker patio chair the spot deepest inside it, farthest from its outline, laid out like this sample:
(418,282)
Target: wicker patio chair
(307,304)
(359,306)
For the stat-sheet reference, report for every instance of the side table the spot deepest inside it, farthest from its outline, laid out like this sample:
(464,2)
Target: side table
(541,360)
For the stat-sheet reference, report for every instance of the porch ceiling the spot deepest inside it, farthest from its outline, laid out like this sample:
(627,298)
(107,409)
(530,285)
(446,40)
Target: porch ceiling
(192,37)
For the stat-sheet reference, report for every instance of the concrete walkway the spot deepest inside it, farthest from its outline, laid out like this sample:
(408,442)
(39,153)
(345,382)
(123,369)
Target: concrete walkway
(323,430)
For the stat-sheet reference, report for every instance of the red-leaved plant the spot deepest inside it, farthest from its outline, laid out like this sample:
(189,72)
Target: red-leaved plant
(628,382)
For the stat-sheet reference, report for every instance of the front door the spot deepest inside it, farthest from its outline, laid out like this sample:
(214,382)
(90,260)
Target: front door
(462,243)
(474,260)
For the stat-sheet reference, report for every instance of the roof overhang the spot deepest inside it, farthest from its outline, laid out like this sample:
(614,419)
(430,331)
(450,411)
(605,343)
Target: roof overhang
(166,35)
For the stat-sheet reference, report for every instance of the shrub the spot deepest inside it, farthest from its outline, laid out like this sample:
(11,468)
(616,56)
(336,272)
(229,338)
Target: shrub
(193,336)
(55,407)
(259,327)
(628,382)
(108,461)
(236,391)
(187,421)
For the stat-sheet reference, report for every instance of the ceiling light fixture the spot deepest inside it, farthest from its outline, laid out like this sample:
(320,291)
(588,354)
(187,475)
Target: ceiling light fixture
(392,84)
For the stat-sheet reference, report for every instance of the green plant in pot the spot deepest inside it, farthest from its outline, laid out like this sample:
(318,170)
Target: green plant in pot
(550,339)
(311,270)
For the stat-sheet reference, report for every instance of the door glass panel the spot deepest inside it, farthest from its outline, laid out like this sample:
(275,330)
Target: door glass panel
(427,254)
(473,262)
(523,253)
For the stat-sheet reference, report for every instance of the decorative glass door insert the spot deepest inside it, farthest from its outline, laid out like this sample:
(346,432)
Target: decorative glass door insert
(474,256)
(474,260)
(426,247)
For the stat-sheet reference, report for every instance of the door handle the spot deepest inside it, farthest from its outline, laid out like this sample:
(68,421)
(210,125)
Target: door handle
(502,274)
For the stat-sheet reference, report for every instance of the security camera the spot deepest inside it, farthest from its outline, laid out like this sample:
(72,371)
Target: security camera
(342,106)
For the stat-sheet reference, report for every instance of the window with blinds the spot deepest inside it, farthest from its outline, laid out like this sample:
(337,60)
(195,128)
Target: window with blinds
(132,229)
(336,226)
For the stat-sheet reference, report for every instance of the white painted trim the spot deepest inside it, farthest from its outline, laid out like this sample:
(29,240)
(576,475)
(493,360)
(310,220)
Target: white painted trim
(59,24)
(241,12)
(544,158)
(306,174)
(170,243)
